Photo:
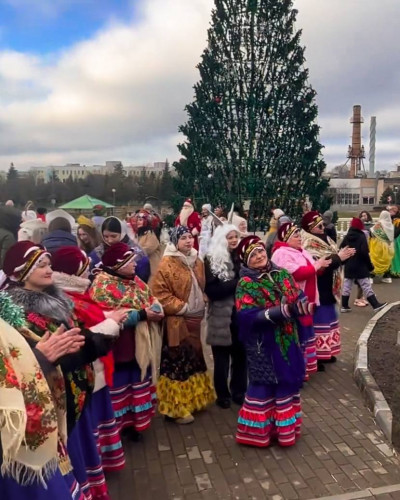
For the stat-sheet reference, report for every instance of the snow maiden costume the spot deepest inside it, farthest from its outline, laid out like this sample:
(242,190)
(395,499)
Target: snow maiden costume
(303,268)
(132,393)
(267,301)
(69,265)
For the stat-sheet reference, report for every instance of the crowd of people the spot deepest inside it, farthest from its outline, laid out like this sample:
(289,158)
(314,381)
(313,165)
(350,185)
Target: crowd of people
(101,325)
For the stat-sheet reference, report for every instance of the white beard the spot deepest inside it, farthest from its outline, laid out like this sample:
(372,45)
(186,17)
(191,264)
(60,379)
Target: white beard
(184,215)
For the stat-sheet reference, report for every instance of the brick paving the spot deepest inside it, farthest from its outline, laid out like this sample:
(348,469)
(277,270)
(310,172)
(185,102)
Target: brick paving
(341,455)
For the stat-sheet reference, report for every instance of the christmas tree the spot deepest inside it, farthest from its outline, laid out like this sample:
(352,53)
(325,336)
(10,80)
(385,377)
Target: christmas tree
(251,134)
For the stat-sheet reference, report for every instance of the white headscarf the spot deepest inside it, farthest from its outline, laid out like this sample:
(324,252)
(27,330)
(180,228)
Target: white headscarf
(387,225)
(218,253)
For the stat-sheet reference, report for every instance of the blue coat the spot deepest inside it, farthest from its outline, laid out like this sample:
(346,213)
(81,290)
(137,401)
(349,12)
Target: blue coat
(58,238)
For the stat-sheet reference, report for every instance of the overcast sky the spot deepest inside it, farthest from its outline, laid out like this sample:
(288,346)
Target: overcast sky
(94,80)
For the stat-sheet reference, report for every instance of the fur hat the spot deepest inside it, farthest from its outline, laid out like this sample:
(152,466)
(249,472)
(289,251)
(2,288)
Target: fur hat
(70,260)
(32,230)
(247,246)
(22,258)
(357,223)
(117,256)
(286,231)
(206,206)
(310,220)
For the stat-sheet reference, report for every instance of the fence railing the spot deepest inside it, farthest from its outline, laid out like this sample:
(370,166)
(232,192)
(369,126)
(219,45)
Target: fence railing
(343,225)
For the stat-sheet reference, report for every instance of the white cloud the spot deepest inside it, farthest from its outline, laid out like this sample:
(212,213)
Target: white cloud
(121,94)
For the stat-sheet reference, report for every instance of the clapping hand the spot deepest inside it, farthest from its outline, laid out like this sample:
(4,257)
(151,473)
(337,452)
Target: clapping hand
(345,253)
(55,345)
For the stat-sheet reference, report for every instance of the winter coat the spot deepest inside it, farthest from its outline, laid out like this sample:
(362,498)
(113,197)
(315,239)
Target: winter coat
(359,266)
(221,313)
(172,285)
(7,239)
(58,238)
(152,248)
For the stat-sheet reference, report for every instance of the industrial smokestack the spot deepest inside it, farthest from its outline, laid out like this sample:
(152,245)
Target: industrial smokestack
(372,142)
(356,150)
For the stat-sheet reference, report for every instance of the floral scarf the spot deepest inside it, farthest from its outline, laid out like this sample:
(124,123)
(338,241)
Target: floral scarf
(265,290)
(32,409)
(318,247)
(112,292)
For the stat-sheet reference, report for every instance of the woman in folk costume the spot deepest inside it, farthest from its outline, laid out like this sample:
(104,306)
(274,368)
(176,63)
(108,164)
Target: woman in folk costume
(381,249)
(47,308)
(184,385)
(268,302)
(190,219)
(33,430)
(222,274)
(288,254)
(142,227)
(395,216)
(135,352)
(115,231)
(330,280)
(71,272)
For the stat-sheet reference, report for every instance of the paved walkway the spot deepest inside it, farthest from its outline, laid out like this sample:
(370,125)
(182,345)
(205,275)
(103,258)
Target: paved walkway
(342,455)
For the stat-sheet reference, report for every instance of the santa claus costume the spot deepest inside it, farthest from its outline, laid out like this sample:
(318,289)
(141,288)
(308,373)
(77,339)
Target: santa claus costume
(191,219)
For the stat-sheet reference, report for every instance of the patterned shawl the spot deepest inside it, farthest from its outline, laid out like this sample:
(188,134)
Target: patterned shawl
(317,247)
(32,409)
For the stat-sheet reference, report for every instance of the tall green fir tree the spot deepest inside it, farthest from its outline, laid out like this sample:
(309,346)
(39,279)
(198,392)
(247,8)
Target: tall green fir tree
(251,134)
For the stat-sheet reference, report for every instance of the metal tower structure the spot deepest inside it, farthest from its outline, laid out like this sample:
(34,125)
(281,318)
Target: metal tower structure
(372,142)
(356,152)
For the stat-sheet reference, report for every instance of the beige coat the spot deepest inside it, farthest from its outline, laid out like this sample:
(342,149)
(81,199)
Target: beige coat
(171,285)
(152,248)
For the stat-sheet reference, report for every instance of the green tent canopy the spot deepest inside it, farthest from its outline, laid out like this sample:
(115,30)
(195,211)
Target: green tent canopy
(85,202)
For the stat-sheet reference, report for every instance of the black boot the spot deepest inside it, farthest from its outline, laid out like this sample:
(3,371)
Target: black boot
(345,304)
(376,306)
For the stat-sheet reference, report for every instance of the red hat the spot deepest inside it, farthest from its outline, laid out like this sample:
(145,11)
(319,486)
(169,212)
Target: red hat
(246,247)
(357,223)
(310,220)
(188,201)
(117,256)
(286,231)
(22,258)
(70,260)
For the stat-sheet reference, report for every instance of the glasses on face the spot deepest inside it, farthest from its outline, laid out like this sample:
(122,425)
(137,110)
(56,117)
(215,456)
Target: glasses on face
(320,226)
(140,217)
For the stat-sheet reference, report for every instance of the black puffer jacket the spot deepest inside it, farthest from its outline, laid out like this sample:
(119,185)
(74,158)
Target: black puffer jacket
(359,266)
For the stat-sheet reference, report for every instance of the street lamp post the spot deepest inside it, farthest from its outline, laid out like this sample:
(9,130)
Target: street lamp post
(113,192)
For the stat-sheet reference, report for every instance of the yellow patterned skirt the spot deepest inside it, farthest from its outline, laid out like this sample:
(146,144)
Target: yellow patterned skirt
(184,385)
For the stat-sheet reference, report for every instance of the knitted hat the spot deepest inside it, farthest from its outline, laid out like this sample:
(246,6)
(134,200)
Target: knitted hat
(310,220)
(286,231)
(22,258)
(357,223)
(99,209)
(70,260)
(117,256)
(247,246)
(84,221)
(206,206)
(277,212)
(177,232)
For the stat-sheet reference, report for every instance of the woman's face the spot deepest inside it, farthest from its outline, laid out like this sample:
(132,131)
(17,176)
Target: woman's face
(319,229)
(295,240)
(83,236)
(128,269)
(41,277)
(233,240)
(111,238)
(243,226)
(140,220)
(258,259)
(185,243)
(364,216)
(218,211)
